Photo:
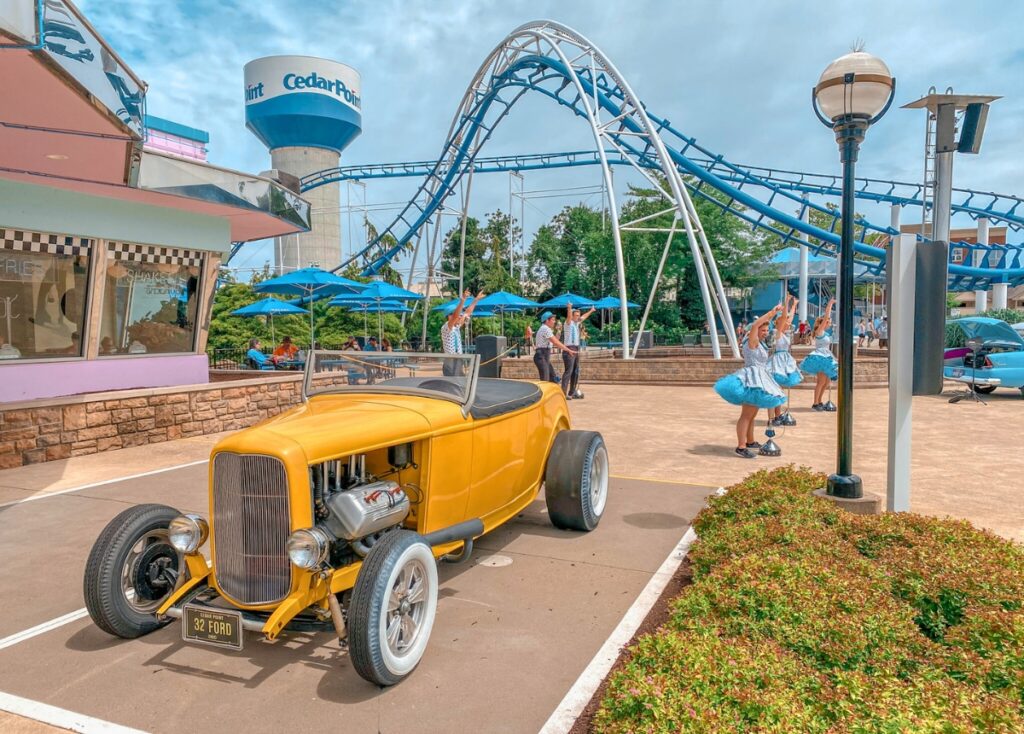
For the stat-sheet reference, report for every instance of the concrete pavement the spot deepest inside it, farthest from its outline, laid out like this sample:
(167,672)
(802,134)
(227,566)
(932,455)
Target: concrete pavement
(515,626)
(966,463)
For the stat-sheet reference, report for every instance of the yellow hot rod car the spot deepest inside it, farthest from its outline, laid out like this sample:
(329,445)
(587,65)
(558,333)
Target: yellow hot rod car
(332,515)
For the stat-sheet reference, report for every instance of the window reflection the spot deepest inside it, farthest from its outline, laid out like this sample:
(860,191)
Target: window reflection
(148,307)
(42,296)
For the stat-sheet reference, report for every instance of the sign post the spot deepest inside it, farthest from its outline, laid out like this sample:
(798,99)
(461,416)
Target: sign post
(902,286)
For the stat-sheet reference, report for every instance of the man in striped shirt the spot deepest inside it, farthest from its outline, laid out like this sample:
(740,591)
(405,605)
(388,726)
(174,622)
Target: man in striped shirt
(571,354)
(451,333)
(542,342)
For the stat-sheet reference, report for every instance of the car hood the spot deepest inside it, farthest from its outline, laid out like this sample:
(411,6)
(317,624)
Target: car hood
(331,425)
(990,330)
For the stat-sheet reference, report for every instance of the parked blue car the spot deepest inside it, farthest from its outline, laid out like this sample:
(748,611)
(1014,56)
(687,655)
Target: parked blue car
(998,363)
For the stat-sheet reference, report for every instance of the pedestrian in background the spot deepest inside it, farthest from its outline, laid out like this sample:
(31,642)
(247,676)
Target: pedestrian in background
(542,347)
(571,354)
(451,334)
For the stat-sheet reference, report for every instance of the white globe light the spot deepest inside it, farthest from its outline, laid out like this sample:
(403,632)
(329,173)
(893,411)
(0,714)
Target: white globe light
(864,96)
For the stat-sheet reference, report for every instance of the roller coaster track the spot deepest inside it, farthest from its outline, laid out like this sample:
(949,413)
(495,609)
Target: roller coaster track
(550,59)
(998,209)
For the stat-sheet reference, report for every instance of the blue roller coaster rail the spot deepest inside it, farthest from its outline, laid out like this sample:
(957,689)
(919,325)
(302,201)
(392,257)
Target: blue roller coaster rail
(763,197)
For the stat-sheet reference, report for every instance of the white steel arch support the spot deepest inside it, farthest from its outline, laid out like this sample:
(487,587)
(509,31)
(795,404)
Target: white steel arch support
(626,129)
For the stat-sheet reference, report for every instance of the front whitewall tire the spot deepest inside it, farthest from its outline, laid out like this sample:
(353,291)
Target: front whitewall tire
(393,606)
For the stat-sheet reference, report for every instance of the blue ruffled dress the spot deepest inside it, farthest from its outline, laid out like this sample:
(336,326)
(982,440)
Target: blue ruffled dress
(753,384)
(821,359)
(782,365)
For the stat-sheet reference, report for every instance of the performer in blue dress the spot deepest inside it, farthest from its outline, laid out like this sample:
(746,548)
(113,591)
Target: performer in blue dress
(752,387)
(820,362)
(782,365)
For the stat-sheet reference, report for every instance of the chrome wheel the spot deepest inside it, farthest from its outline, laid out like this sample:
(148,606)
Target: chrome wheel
(150,571)
(393,606)
(406,608)
(599,480)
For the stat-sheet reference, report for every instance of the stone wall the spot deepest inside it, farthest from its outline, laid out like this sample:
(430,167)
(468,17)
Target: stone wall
(44,430)
(868,372)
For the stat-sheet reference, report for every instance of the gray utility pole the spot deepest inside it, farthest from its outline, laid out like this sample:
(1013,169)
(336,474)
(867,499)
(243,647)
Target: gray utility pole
(946,113)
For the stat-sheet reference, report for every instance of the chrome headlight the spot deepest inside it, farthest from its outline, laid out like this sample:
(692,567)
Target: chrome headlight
(187,533)
(307,548)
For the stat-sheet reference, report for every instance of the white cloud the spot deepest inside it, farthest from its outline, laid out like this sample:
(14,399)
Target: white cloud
(736,75)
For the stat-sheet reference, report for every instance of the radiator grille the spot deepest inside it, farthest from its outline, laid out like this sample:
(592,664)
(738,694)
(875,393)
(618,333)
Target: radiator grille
(251,522)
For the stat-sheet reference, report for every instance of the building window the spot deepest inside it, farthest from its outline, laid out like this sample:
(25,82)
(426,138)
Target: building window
(43,280)
(150,300)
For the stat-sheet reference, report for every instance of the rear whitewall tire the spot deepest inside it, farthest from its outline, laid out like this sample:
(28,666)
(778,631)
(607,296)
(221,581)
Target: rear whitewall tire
(576,480)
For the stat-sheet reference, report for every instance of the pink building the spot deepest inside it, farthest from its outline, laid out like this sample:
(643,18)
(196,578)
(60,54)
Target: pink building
(171,137)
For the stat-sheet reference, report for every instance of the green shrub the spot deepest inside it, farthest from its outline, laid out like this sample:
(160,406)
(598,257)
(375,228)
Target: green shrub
(1009,315)
(805,618)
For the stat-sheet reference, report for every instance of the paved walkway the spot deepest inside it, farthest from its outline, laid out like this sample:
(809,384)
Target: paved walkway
(965,464)
(967,461)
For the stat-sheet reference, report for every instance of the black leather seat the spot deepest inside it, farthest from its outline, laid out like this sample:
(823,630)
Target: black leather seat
(496,397)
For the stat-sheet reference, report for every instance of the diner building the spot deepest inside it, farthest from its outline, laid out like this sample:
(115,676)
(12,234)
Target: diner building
(112,224)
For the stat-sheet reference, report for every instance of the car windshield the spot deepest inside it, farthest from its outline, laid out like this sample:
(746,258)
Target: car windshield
(446,376)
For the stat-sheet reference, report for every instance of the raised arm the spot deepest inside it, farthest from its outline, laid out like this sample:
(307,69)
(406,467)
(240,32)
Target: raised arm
(469,311)
(454,316)
(586,316)
(752,337)
(823,321)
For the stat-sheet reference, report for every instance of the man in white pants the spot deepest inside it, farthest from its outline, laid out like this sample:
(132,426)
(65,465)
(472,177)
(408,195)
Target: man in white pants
(571,355)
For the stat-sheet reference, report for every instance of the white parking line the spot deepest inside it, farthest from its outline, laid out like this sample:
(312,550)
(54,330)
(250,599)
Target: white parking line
(12,640)
(60,717)
(44,495)
(572,705)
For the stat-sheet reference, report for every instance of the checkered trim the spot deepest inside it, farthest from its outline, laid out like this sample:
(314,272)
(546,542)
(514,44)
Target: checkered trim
(153,254)
(43,242)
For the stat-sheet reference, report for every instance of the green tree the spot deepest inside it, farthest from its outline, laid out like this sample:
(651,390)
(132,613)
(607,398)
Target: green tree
(486,256)
(575,252)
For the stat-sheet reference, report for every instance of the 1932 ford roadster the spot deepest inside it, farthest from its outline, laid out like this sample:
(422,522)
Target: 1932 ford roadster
(332,514)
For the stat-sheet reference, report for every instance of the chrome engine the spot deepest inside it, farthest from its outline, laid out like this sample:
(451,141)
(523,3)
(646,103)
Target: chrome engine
(353,507)
(364,510)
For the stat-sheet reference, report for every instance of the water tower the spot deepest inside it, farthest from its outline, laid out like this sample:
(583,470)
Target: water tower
(306,111)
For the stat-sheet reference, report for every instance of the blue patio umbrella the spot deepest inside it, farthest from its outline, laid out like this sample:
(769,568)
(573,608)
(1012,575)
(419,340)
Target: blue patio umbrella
(507,301)
(268,307)
(352,304)
(378,291)
(479,312)
(308,283)
(565,299)
(504,302)
(613,302)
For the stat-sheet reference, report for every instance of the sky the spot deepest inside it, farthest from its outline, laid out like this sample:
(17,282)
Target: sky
(737,75)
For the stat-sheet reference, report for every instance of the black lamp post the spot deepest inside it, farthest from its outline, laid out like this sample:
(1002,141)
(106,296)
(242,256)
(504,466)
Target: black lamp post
(852,94)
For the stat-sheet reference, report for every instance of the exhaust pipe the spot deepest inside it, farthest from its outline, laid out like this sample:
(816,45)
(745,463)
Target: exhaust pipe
(460,531)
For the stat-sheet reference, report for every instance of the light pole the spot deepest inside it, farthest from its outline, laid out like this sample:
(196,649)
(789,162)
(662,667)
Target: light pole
(852,94)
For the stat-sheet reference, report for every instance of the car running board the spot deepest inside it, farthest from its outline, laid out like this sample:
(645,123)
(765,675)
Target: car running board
(465,531)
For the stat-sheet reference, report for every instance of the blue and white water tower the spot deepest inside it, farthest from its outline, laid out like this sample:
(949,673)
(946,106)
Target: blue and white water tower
(306,110)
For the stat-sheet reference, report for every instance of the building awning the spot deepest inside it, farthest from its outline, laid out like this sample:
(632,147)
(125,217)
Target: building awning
(255,207)
(73,119)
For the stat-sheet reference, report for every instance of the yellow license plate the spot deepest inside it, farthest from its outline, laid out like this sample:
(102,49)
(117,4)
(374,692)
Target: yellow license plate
(222,628)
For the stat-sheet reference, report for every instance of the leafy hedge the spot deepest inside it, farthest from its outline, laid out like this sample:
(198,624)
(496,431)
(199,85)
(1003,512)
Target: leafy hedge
(805,618)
